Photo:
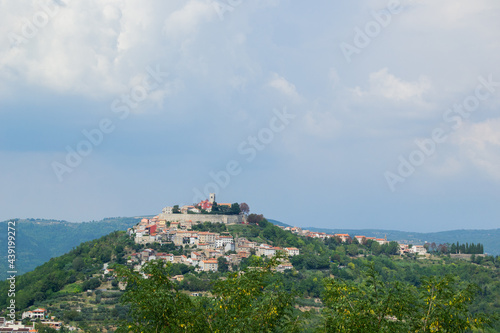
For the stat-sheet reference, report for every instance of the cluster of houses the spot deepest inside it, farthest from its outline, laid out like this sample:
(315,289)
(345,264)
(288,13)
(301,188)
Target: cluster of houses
(12,326)
(206,246)
(39,315)
(346,238)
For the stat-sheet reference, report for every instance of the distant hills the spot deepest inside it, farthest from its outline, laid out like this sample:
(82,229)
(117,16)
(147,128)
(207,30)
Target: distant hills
(39,240)
(489,238)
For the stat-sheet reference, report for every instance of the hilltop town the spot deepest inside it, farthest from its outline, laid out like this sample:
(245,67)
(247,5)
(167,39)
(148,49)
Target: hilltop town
(175,225)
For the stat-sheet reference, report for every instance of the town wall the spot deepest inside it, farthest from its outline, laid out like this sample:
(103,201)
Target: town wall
(226,219)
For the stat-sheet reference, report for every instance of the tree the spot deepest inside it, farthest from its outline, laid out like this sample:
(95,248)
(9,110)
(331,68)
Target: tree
(78,264)
(392,248)
(352,249)
(223,266)
(155,303)
(439,305)
(235,208)
(443,248)
(255,218)
(446,306)
(372,306)
(71,315)
(376,248)
(245,209)
(91,284)
(253,301)
(176,209)
(45,328)
(433,247)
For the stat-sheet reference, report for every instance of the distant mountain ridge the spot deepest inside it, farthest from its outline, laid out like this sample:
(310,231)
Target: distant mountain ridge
(489,238)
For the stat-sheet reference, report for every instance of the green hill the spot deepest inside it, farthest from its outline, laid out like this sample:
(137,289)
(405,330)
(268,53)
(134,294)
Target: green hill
(60,285)
(52,279)
(39,240)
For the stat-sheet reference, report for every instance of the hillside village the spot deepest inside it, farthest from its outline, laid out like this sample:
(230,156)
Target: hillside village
(174,225)
(183,230)
(207,246)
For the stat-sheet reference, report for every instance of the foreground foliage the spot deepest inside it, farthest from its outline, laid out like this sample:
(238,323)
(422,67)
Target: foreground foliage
(249,301)
(256,301)
(441,304)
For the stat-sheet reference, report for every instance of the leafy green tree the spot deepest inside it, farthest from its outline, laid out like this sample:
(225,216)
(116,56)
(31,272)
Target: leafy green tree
(78,264)
(375,248)
(155,303)
(446,307)
(392,248)
(91,284)
(252,301)
(71,315)
(223,266)
(235,209)
(352,249)
(368,307)
(439,305)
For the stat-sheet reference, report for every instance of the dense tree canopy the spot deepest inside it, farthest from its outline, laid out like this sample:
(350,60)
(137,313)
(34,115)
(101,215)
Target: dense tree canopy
(441,304)
(251,301)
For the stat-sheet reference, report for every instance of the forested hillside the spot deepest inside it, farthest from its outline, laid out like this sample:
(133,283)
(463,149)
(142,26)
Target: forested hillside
(39,240)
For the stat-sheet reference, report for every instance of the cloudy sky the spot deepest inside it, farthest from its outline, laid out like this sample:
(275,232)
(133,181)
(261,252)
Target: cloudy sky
(359,114)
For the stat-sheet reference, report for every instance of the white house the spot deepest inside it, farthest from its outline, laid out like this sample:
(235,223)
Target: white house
(418,249)
(292,251)
(35,314)
(209,265)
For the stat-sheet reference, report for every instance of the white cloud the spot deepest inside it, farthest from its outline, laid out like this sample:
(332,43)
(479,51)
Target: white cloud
(284,86)
(334,77)
(448,14)
(94,48)
(383,84)
(185,21)
(479,145)
(322,125)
